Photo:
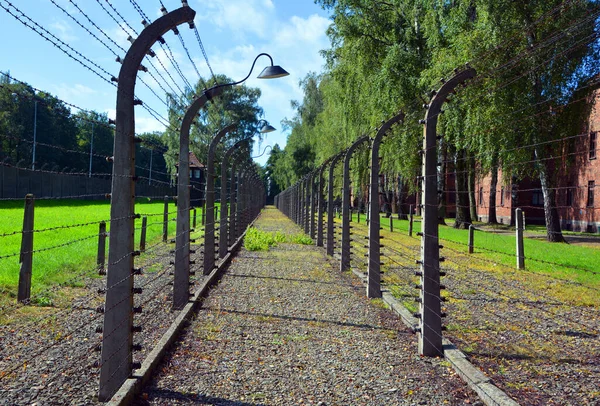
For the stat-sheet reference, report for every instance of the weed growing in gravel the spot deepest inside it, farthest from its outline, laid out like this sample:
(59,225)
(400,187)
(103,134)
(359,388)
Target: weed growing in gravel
(379,303)
(301,239)
(259,240)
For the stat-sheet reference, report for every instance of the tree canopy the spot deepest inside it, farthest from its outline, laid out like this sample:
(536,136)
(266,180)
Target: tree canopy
(536,62)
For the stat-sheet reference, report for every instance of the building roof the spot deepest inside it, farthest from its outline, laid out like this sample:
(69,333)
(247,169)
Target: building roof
(194,161)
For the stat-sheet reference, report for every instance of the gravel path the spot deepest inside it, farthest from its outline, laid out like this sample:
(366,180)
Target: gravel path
(285,327)
(51,359)
(537,336)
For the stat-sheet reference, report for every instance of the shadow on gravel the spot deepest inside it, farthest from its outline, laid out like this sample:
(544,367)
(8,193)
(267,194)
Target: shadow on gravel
(238,275)
(516,357)
(166,396)
(307,319)
(509,300)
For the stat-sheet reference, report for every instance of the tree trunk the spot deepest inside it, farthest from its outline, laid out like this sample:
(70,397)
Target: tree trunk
(463,210)
(402,215)
(514,199)
(394,199)
(472,198)
(385,198)
(492,219)
(553,230)
(441,181)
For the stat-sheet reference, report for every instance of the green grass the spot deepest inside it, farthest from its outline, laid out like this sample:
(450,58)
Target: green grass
(576,262)
(260,240)
(66,265)
(573,261)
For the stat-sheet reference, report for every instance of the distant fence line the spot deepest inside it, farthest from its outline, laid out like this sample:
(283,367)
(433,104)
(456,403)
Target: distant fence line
(16,183)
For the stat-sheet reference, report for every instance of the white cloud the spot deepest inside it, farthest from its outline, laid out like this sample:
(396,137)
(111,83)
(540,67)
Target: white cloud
(74,93)
(147,124)
(65,32)
(142,123)
(300,30)
(240,16)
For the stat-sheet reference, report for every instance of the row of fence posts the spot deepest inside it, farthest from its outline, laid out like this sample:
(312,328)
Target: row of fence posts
(297,202)
(246,197)
(242,196)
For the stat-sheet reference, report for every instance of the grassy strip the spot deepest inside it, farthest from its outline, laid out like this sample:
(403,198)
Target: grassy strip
(579,263)
(64,265)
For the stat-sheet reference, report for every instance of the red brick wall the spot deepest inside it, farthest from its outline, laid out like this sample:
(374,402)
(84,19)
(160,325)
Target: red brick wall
(578,170)
(526,188)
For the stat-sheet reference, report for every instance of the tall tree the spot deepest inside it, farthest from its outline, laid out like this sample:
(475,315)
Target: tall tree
(237,104)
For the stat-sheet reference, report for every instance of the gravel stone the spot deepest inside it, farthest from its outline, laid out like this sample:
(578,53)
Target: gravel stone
(286,327)
(51,360)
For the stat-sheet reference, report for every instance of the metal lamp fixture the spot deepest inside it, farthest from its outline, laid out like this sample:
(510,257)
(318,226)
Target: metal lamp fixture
(266,127)
(273,72)
(270,72)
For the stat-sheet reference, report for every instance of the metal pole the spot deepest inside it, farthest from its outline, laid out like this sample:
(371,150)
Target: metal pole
(233,210)
(209,228)
(165,219)
(313,202)
(91,151)
(150,175)
(26,257)
(35,104)
(320,203)
(345,260)
(330,208)
(471,235)
(101,257)
(117,340)
(430,332)
(519,235)
(225,197)
(143,234)
(374,268)
(410,221)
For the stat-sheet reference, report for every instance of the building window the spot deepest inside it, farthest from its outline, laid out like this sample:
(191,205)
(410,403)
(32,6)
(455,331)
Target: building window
(593,145)
(590,197)
(481,196)
(537,198)
(197,173)
(570,196)
(502,196)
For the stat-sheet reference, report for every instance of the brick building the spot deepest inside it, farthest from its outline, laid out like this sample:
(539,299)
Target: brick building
(576,197)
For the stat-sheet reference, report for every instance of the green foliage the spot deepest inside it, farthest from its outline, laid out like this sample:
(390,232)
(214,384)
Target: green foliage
(236,105)
(535,61)
(260,240)
(301,239)
(63,138)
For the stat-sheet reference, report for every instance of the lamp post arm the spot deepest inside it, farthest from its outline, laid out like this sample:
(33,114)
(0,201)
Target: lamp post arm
(248,75)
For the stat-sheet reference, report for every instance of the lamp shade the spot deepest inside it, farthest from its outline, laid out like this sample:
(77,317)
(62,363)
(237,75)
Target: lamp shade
(267,128)
(272,72)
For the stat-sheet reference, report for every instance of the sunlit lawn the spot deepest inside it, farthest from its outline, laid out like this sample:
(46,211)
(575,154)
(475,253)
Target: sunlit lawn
(67,264)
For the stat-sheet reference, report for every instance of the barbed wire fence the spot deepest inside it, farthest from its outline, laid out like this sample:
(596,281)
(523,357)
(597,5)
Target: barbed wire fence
(78,334)
(504,298)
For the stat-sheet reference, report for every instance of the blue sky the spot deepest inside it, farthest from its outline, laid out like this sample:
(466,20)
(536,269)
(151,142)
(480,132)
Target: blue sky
(233,33)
